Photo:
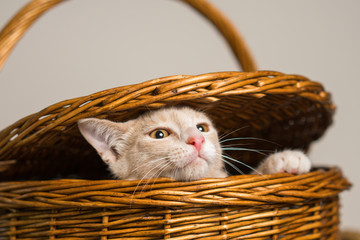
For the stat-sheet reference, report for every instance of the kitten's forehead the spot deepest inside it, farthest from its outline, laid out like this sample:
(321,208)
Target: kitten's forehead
(179,116)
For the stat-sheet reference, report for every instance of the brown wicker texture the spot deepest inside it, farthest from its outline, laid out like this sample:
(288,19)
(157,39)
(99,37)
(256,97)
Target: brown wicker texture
(240,207)
(287,111)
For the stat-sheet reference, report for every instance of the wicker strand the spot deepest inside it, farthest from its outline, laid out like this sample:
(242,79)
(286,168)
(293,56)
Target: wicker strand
(167,225)
(13,220)
(105,229)
(53,225)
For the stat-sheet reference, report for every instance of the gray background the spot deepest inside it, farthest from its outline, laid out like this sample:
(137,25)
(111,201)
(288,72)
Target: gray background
(85,46)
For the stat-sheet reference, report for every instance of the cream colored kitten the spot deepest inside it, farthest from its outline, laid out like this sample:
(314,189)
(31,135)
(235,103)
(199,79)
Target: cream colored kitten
(178,143)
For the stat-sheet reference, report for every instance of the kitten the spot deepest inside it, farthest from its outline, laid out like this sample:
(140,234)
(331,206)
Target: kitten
(178,143)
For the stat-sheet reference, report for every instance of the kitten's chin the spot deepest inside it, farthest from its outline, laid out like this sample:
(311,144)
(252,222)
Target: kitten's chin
(193,170)
(197,162)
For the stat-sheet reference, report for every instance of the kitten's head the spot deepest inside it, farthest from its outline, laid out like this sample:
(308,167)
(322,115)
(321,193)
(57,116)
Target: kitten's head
(179,143)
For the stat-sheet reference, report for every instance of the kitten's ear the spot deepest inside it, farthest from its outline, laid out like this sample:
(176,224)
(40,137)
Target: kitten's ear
(105,136)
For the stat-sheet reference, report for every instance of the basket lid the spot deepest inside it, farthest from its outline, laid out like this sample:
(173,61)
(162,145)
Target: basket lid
(283,111)
(288,110)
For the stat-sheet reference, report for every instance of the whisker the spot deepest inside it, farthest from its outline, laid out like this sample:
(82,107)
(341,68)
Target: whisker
(233,166)
(174,172)
(240,162)
(245,149)
(236,144)
(163,169)
(147,163)
(229,133)
(249,138)
(145,177)
(157,174)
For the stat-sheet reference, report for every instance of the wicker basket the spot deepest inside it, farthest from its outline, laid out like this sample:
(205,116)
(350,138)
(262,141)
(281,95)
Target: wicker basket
(290,110)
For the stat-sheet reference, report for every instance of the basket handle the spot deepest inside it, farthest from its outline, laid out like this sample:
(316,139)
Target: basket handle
(18,25)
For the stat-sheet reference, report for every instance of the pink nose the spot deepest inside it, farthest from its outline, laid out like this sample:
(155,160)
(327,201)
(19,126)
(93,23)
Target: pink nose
(197,141)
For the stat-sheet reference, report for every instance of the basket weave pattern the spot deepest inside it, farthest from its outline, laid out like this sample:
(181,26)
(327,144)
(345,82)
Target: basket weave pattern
(241,206)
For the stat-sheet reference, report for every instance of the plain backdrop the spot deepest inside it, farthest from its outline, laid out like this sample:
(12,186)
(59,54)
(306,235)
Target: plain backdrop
(84,46)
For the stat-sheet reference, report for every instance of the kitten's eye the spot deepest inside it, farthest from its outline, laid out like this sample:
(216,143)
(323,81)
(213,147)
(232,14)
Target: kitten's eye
(159,133)
(203,127)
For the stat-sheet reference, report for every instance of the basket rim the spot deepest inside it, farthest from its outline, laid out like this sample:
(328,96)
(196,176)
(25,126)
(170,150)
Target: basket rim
(241,190)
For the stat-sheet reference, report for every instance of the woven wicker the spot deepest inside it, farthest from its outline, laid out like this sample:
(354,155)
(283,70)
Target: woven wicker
(289,110)
(240,207)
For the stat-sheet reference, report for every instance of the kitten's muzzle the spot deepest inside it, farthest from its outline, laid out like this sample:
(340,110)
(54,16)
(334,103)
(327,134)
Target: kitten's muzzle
(196,141)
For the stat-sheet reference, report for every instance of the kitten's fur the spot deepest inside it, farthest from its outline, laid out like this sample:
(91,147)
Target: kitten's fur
(179,143)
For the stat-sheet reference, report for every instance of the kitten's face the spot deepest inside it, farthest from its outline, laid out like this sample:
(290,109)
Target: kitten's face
(179,143)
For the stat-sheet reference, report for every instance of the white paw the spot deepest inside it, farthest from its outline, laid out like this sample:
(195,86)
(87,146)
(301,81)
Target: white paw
(290,161)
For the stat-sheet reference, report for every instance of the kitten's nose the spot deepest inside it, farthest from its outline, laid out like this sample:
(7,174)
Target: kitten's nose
(197,141)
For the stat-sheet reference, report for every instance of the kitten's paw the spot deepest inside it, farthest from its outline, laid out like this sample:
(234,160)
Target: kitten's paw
(289,161)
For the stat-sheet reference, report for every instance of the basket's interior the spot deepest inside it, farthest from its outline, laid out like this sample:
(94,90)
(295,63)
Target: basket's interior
(295,123)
